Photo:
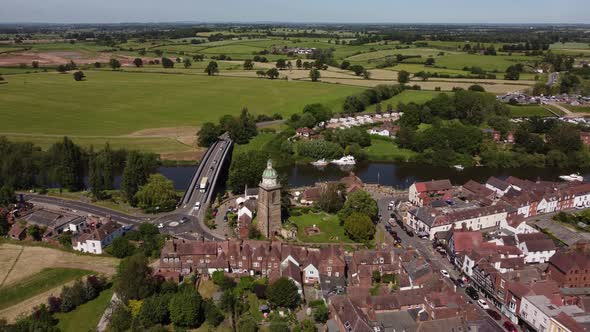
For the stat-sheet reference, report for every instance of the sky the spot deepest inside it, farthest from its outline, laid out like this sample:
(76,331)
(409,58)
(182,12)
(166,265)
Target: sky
(297,11)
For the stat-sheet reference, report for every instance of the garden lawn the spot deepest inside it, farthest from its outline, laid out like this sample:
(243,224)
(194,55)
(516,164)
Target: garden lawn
(386,150)
(329,225)
(118,103)
(38,283)
(86,316)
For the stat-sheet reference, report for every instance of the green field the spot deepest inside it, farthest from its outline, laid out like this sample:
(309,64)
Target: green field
(406,97)
(85,317)
(386,150)
(578,109)
(497,63)
(570,46)
(146,144)
(415,68)
(37,284)
(255,144)
(329,225)
(424,52)
(118,103)
(528,111)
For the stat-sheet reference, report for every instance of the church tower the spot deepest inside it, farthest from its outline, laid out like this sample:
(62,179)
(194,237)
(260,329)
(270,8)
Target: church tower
(269,203)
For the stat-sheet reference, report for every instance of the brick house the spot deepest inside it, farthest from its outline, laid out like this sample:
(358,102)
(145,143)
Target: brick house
(572,268)
(422,193)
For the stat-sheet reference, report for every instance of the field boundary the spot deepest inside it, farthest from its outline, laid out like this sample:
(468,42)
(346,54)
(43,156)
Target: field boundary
(22,248)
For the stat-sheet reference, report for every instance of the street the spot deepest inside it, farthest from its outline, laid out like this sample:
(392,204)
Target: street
(424,247)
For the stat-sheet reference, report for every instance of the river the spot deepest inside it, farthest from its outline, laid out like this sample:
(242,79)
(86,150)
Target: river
(398,175)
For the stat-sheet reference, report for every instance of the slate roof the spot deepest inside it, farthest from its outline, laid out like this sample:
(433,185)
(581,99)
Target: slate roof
(498,183)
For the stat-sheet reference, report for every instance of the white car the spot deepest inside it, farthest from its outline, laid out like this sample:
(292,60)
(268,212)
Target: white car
(197,205)
(160,225)
(482,303)
(445,273)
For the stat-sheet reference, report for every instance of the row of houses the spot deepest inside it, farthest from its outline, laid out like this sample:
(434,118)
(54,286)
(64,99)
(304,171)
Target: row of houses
(437,206)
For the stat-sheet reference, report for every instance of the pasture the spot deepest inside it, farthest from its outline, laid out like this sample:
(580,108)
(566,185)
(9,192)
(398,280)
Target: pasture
(497,63)
(120,103)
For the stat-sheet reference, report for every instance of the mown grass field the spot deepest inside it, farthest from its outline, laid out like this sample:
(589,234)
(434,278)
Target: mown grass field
(38,283)
(578,109)
(85,317)
(118,103)
(415,68)
(424,52)
(386,150)
(529,110)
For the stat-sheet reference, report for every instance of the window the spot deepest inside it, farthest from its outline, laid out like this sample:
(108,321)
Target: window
(329,269)
(259,258)
(240,263)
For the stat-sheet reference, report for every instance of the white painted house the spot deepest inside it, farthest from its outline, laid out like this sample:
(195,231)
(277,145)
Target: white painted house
(96,240)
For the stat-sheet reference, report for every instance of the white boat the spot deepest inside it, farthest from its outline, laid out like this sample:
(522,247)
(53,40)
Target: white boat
(321,162)
(459,167)
(572,177)
(346,160)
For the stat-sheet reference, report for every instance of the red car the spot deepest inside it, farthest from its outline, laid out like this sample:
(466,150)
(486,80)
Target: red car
(494,314)
(510,327)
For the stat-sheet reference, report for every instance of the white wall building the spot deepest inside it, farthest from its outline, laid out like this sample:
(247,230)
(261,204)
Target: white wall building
(96,240)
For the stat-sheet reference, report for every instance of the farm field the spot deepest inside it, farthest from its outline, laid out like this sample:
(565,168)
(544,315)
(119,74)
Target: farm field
(22,263)
(423,52)
(86,316)
(415,68)
(119,103)
(37,283)
(497,63)
(406,97)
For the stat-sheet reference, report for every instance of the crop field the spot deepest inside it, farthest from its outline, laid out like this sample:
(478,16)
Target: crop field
(497,63)
(456,45)
(119,103)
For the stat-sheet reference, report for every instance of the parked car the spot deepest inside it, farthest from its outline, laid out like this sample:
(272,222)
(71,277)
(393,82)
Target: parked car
(472,293)
(445,273)
(482,303)
(460,283)
(494,314)
(389,208)
(410,233)
(160,225)
(510,327)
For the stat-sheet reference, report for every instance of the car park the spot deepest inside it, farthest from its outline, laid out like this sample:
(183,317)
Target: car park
(445,273)
(472,293)
(509,327)
(482,303)
(494,314)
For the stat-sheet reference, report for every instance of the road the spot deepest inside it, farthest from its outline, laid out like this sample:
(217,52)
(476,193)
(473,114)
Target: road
(88,208)
(436,261)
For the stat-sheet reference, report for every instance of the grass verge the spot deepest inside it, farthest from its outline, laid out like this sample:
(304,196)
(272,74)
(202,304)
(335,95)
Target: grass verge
(86,316)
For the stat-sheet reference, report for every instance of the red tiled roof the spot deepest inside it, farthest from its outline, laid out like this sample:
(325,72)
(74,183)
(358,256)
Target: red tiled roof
(434,185)
(465,241)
